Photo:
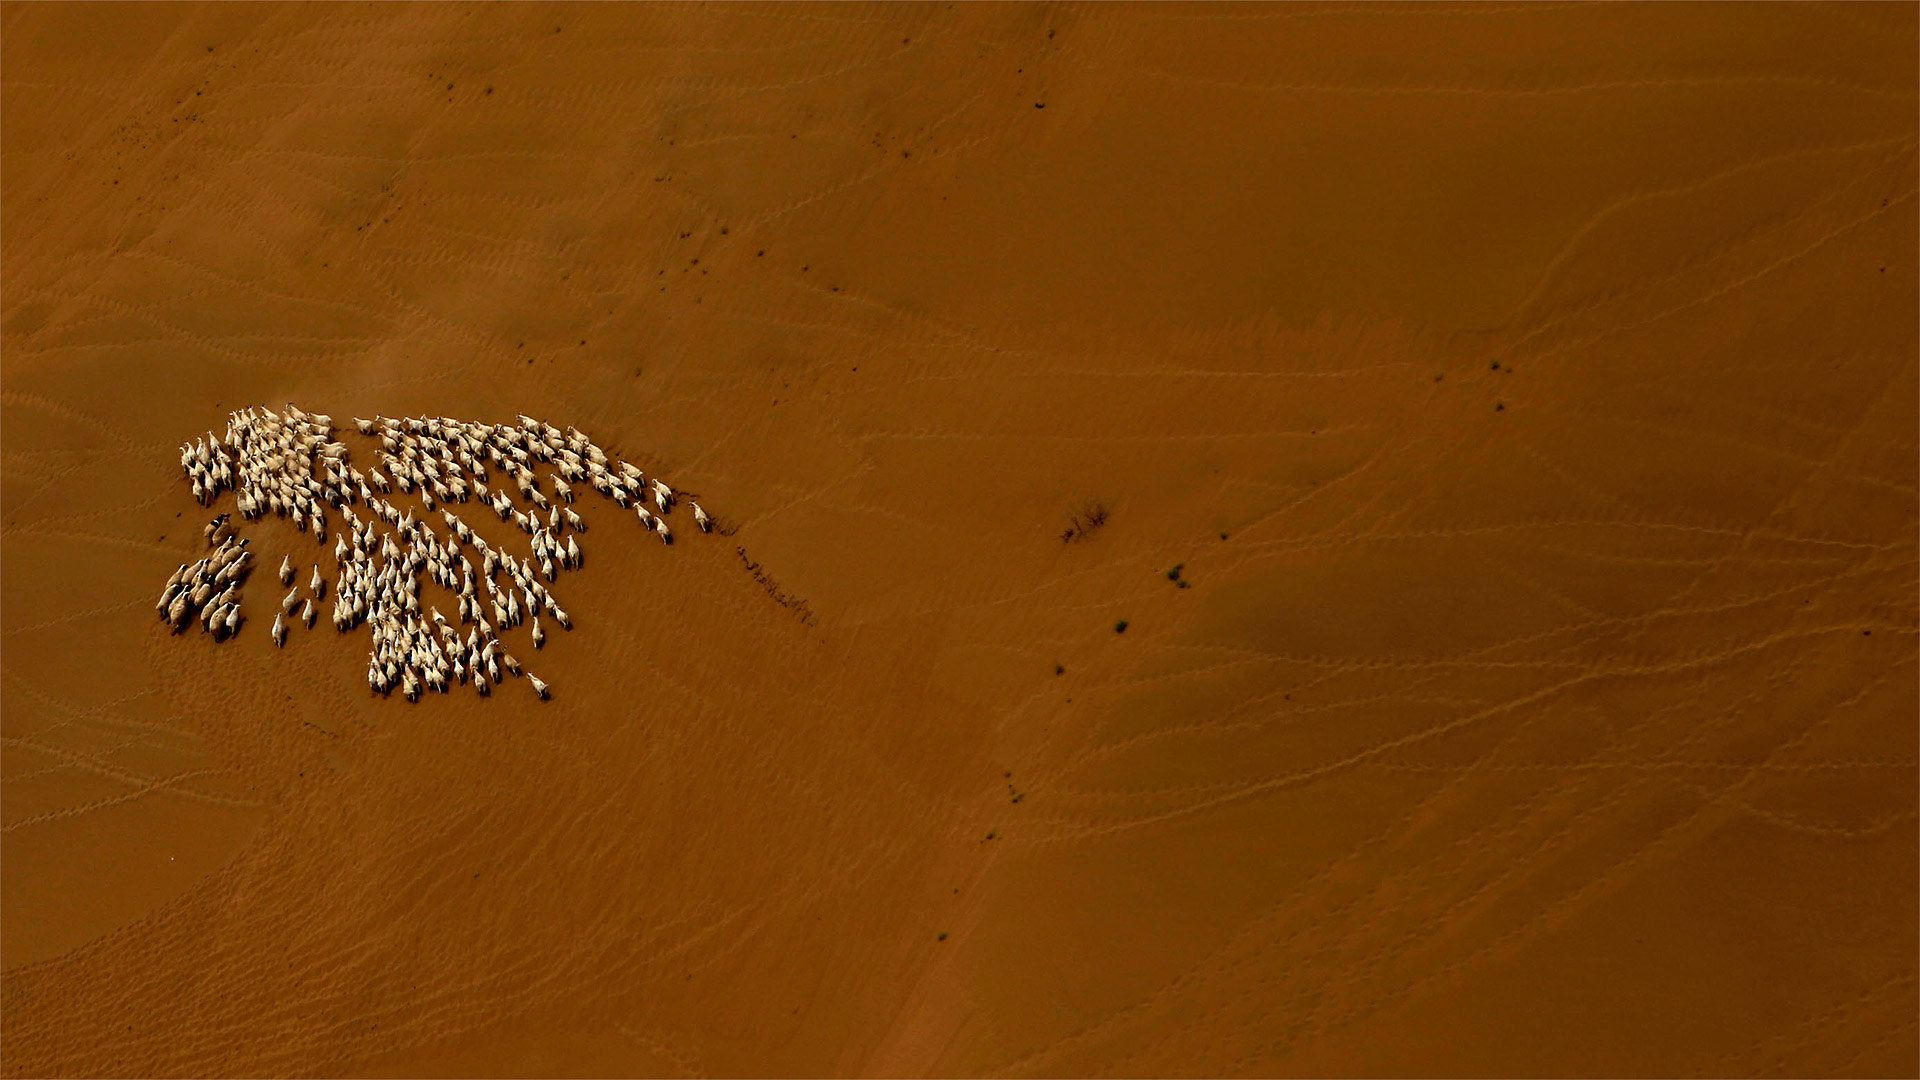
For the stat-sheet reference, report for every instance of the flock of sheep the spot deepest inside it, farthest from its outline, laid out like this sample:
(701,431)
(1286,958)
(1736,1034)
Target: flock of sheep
(290,465)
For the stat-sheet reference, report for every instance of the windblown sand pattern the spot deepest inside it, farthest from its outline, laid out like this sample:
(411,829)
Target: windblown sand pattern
(290,465)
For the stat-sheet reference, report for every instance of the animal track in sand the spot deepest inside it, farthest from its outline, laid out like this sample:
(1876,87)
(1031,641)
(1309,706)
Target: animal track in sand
(290,465)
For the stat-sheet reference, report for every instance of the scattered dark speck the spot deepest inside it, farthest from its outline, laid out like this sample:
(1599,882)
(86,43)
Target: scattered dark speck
(759,253)
(1120,627)
(1496,365)
(1059,669)
(1174,574)
(942,936)
(1499,406)
(1039,104)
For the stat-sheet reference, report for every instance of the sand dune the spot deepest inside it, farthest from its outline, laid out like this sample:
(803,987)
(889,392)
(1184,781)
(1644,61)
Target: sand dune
(1525,393)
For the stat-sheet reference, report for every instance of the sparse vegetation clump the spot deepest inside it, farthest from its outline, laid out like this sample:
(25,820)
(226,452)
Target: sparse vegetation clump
(1083,521)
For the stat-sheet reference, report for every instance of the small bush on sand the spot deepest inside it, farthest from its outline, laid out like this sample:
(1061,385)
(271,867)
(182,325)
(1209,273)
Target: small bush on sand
(1083,521)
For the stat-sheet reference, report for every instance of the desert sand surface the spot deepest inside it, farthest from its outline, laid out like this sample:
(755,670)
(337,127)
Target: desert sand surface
(1526,394)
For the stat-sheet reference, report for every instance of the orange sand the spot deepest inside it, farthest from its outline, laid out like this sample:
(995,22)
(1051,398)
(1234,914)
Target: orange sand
(1527,391)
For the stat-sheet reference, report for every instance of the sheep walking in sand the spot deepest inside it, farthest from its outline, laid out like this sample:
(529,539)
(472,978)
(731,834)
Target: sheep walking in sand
(291,466)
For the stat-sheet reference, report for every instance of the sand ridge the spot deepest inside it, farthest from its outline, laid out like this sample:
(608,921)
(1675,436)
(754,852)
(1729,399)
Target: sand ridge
(1527,394)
